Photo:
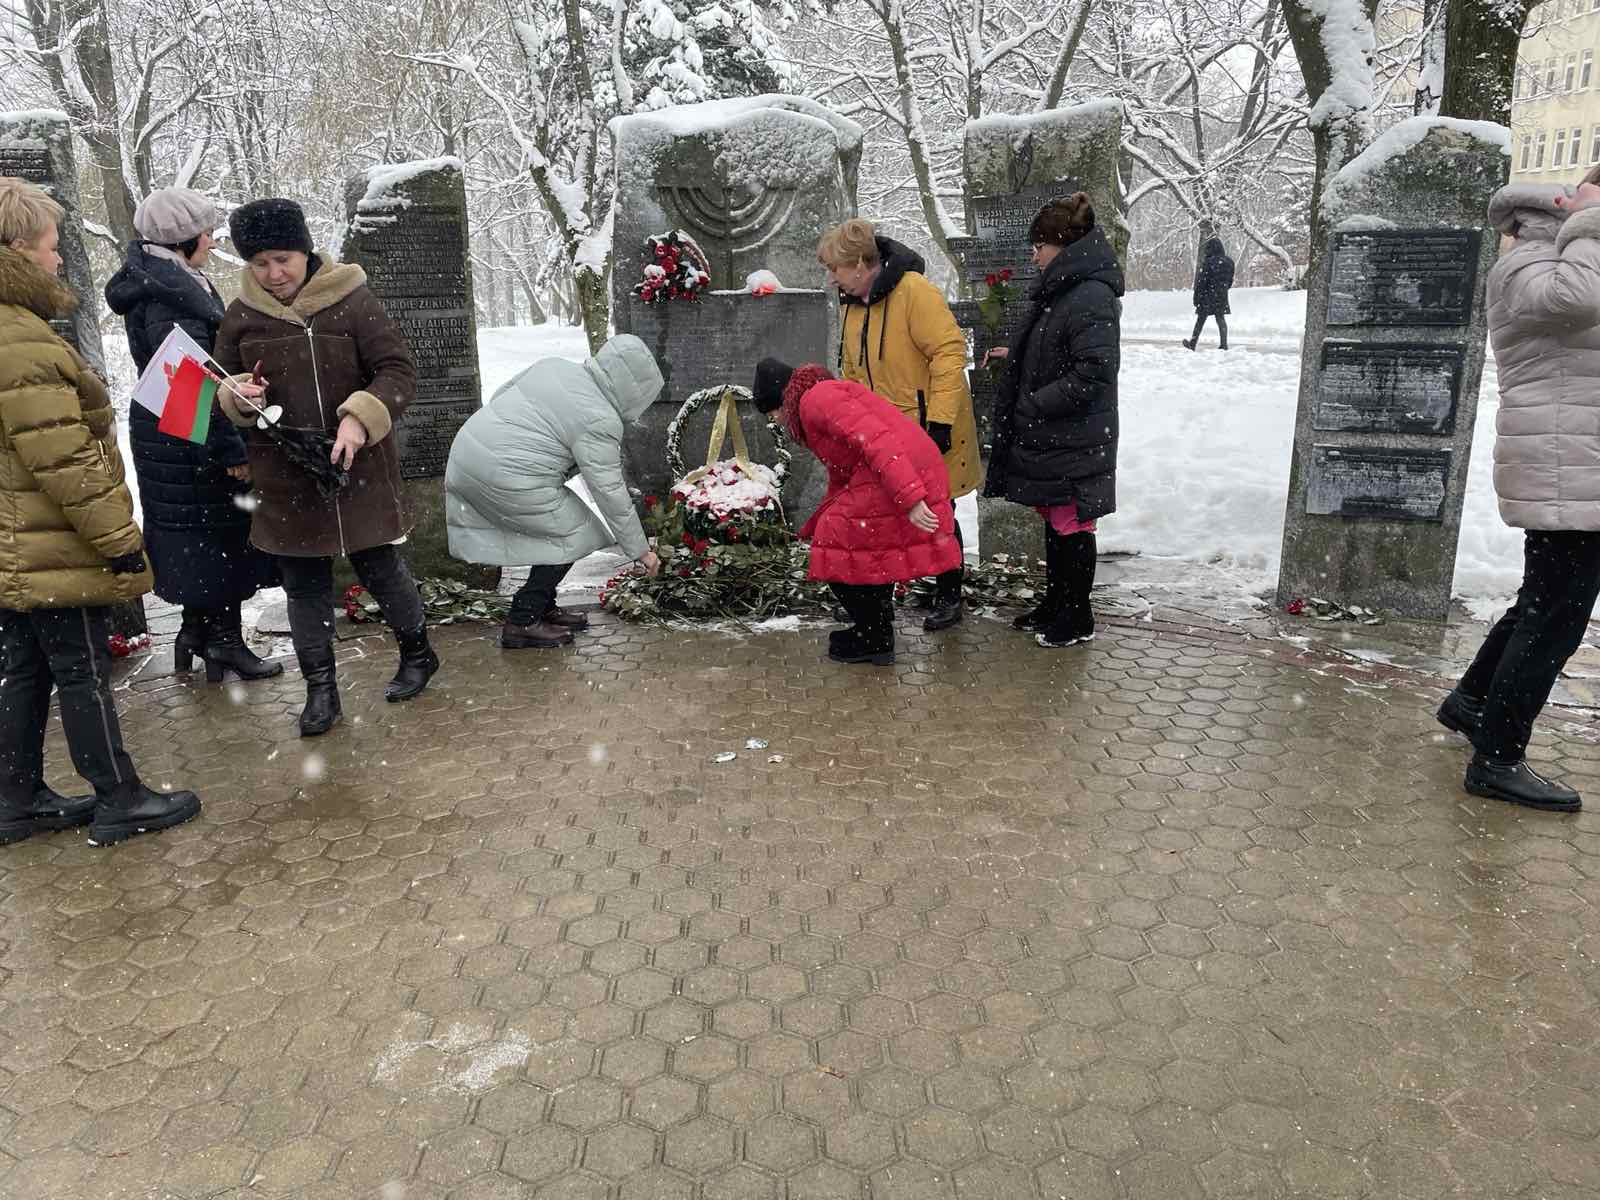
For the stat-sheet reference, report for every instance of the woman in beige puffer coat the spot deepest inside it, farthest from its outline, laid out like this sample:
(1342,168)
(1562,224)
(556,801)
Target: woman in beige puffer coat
(1544,325)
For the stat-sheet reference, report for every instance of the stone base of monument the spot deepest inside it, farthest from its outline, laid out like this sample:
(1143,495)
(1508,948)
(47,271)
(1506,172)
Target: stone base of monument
(717,341)
(128,619)
(1006,528)
(427,548)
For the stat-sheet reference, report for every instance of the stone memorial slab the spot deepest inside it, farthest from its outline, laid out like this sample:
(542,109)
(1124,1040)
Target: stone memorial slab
(1371,481)
(37,146)
(408,230)
(712,342)
(755,182)
(1389,387)
(1393,357)
(1013,166)
(1400,277)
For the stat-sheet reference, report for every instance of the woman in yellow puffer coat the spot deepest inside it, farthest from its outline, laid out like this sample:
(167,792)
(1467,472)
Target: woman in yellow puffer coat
(68,550)
(899,338)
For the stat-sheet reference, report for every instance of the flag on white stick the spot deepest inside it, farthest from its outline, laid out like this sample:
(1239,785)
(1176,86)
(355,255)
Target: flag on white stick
(156,383)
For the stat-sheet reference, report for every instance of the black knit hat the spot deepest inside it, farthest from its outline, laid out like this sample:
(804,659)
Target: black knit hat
(772,376)
(269,225)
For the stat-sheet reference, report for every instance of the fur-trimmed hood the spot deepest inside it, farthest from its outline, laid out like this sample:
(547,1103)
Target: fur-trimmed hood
(1528,210)
(332,282)
(26,284)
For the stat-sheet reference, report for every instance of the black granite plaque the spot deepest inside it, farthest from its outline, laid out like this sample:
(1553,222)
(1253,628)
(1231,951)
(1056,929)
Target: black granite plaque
(415,256)
(1388,387)
(1403,277)
(33,164)
(1370,481)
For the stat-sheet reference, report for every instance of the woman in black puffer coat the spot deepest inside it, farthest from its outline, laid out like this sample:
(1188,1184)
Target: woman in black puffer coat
(1212,282)
(1055,419)
(196,528)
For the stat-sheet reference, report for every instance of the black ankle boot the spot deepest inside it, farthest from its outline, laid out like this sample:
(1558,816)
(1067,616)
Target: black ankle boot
(418,662)
(46,809)
(1049,607)
(190,642)
(1460,713)
(322,710)
(134,809)
(226,650)
(1517,783)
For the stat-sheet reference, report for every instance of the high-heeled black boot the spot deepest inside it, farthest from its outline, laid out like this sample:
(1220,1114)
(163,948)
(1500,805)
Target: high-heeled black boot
(191,640)
(418,662)
(226,650)
(322,710)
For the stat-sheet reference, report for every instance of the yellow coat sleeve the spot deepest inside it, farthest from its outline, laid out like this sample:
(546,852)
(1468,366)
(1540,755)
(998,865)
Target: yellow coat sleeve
(941,342)
(44,424)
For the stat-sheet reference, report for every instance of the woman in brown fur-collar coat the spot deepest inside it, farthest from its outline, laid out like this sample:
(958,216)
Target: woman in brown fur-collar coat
(333,361)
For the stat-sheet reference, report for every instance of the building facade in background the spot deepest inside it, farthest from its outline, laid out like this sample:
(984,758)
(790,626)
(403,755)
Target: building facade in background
(1555,107)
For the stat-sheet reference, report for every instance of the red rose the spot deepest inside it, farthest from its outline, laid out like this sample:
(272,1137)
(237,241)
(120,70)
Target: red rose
(118,645)
(1005,275)
(1295,607)
(991,279)
(688,538)
(650,501)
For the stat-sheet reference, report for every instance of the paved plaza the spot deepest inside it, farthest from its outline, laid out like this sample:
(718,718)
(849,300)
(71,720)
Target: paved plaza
(1183,913)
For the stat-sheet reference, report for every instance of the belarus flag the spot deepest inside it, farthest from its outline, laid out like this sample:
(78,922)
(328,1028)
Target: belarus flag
(178,388)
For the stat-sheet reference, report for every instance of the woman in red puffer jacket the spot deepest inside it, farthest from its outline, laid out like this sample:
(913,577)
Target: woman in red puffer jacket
(887,515)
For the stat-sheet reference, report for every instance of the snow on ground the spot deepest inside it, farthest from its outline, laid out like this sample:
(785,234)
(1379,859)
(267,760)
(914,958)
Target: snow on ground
(1203,466)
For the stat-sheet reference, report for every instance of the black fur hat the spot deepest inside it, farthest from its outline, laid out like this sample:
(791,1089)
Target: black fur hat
(269,225)
(772,376)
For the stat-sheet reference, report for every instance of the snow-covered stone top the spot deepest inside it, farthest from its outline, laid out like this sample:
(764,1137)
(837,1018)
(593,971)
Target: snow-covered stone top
(385,178)
(711,116)
(1079,117)
(34,116)
(1401,139)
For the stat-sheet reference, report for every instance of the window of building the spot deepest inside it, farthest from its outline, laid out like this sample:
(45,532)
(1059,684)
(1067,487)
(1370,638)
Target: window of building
(1558,148)
(1575,147)
(1594,146)
(1586,70)
(1569,77)
(1538,151)
(1551,65)
(1527,150)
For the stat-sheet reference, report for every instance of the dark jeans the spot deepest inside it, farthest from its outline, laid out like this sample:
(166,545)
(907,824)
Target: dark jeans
(947,586)
(1070,562)
(538,596)
(382,571)
(1522,657)
(871,609)
(64,648)
(1222,327)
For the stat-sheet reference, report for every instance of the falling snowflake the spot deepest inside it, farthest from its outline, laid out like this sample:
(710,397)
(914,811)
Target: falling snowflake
(727,756)
(598,753)
(314,768)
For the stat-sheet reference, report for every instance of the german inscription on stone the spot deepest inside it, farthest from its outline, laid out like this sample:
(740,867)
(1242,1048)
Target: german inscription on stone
(1388,387)
(411,237)
(1362,481)
(1403,277)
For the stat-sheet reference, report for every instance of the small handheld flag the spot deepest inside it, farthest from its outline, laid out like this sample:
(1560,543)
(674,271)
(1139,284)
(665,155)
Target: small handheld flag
(178,388)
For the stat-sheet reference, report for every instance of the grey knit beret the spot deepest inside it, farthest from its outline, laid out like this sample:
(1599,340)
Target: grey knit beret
(171,216)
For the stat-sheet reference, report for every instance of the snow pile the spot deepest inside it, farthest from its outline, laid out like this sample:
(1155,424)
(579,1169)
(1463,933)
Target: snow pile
(385,180)
(728,489)
(1349,42)
(1403,137)
(762,283)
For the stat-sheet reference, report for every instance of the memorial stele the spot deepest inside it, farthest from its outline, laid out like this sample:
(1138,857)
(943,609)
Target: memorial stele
(1393,356)
(755,182)
(407,228)
(1013,166)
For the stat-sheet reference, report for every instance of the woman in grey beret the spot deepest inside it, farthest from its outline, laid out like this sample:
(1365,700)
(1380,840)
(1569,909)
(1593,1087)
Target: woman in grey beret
(196,522)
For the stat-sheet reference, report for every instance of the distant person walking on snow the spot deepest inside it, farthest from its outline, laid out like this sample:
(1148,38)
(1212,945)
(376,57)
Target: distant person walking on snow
(1544,324)
(886,517)
(1055,419)
(506,499)
(898,338)
(1211,285)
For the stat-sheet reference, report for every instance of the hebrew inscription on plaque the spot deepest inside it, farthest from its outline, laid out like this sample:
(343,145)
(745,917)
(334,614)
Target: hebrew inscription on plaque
(1388,387)
(1370,481)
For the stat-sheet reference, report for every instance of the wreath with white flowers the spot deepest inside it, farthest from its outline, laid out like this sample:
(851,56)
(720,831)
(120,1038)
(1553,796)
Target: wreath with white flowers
(698,400)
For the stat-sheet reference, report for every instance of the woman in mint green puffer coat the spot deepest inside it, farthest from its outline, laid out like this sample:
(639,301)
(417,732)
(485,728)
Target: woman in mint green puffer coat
(506,499)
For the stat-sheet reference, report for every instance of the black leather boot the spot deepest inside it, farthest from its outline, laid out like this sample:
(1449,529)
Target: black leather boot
(191,640)
(45,810)
(1518,783)
(418,662)
(1050,605)
(225,650)
(1460,713)
(322,710)
(134,809)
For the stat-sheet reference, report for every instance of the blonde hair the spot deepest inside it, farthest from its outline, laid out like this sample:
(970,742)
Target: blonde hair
(855,243)
(26,211)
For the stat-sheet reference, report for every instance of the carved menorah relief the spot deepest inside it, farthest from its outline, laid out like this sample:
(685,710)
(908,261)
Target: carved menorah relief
(730,221)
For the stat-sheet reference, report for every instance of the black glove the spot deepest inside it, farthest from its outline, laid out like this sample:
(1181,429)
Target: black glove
(940,435)
(128,564)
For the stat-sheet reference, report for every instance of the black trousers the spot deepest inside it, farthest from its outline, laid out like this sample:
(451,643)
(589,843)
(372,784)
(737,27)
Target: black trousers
(64,649)
(871,609)
(382,571)
(538,596)
(1522,657)
(947,586)
(1222,327)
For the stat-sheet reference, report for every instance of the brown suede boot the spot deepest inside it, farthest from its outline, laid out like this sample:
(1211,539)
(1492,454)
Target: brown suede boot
(566,618)
(543,636)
